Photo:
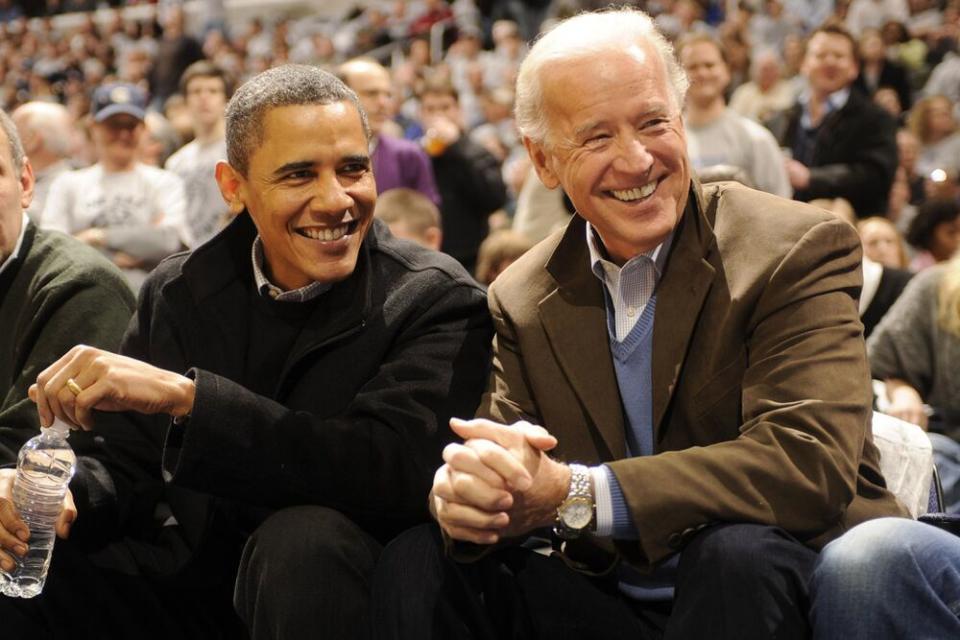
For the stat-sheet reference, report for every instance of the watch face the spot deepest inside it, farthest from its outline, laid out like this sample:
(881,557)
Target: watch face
(576,513)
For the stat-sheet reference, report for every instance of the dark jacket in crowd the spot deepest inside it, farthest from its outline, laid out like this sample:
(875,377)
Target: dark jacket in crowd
(854,153)
(471,188)
(355,418)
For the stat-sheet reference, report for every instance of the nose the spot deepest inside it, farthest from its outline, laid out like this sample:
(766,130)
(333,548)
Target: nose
(633,155)
(329,196)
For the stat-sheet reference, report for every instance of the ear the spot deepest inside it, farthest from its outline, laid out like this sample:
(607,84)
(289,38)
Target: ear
(541,160)
(434,237)
(232,187)
(27,182)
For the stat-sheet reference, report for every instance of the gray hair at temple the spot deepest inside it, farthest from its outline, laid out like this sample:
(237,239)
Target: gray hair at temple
(13,141)
(581,36)
(283,86)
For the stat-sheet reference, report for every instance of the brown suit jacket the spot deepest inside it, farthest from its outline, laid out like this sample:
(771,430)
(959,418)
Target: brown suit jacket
(761,391)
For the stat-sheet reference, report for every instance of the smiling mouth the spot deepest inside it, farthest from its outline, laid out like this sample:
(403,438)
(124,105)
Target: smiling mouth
(637,193)
(329,234)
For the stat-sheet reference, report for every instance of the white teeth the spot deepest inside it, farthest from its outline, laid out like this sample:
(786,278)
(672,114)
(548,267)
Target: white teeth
(326,235)
(628,195)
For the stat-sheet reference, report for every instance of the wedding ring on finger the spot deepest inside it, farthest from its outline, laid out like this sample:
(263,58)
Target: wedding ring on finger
(75,389)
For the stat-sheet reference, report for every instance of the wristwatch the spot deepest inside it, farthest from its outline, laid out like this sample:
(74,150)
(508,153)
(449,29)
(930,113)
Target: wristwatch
(577,513)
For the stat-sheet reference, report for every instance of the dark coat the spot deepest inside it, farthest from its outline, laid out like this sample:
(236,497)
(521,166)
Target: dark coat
(855,153)
(356,422)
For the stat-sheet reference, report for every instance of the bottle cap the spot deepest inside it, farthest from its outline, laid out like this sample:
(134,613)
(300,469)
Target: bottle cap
(60,427)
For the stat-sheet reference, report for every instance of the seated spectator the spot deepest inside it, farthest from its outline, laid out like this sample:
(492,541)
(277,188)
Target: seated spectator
(944,80)
(915,350)
(877,71)
(717,135)
(55,292)
(396,162)
(934,233)
(899,210)
(497,252)
(468,176)
(159,140)
(767,92)
(206,88)
(882,243)
(872,14)
(908,152)
(293,378)
(132,212)
(411,216)
(842,145)
(933,123)
(712,387)
(46,129)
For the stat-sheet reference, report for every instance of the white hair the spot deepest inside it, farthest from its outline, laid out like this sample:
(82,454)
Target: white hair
(581,36)
(51,121)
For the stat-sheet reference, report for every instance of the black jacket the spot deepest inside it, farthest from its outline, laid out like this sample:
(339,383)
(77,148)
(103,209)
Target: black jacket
(356,422)
(855,153)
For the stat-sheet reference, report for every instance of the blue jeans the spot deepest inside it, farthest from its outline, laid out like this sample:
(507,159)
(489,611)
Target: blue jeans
(946,453)
(888,578)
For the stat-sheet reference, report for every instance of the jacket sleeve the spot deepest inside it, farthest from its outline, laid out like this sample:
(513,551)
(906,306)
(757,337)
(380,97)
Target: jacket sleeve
(805,406)
(86,310)
(376,460)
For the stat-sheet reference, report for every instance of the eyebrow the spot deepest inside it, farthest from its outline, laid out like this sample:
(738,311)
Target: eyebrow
(300,165)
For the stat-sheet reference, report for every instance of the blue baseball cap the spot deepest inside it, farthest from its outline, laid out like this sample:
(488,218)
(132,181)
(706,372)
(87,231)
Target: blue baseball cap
(114,98)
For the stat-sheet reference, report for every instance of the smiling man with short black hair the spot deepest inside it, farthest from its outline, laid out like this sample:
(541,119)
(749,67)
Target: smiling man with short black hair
(295,375)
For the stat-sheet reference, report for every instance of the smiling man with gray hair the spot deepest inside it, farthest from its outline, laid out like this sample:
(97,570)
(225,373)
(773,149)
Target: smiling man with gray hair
(680,397)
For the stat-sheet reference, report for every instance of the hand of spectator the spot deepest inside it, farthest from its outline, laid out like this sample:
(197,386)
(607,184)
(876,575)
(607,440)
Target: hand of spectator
(126,261)
(442,129)
(798,173)
(14,533)
(906,403)
(107,382)
(94,236)
(500,483)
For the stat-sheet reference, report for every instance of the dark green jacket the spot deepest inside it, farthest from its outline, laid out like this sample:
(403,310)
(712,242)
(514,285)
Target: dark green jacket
(58,293)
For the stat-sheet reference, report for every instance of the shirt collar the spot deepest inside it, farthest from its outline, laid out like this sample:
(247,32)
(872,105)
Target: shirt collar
(16,249)
(269,290)
(836,100)
(603,267)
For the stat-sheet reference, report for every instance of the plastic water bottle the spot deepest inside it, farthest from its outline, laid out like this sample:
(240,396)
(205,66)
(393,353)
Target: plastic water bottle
(44,469)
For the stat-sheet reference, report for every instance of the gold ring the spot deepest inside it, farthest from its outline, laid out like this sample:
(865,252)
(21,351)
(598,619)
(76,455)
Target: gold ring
(75,389)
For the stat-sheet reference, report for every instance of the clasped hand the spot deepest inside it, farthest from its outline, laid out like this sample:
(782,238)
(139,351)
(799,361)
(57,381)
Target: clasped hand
(108,382)
(499,483)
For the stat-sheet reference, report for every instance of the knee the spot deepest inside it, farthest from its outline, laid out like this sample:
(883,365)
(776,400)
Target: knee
(419,550)
(744,551)
(309,538)
(874,552)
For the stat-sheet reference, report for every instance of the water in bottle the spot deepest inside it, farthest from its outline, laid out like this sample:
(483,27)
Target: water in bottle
(44,469)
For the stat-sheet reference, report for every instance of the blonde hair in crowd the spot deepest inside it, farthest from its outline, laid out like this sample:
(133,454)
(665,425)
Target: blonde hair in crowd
(948,299)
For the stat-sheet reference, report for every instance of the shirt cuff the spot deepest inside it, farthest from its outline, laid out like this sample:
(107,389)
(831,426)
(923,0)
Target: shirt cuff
(616,520)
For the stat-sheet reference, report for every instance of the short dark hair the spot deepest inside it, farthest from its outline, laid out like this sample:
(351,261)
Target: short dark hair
(439,85)
(697,38)
(930,215)
(286,85)
(206,69)
(837,30)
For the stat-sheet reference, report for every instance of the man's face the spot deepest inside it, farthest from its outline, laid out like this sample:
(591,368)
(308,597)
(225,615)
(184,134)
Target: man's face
(372,85)
(309,190)
(206,100)
(829,63)
(617,146)
(707,71)
(117,139)
(16,192)
(435,106)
